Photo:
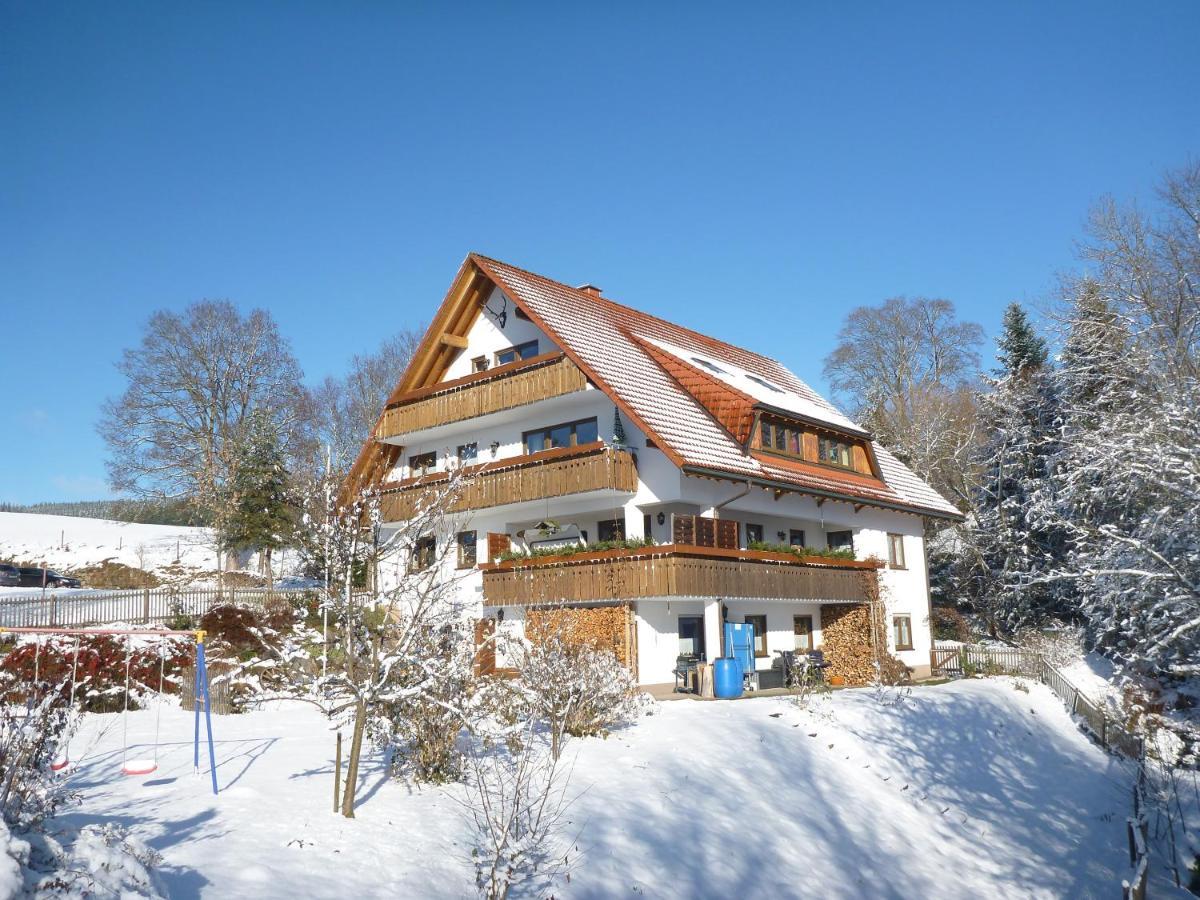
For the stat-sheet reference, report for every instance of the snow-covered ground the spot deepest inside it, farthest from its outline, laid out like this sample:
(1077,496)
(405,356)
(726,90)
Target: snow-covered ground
(69,542)
(966,789)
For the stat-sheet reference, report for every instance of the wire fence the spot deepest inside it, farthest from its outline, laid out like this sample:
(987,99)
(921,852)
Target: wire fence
(68,609)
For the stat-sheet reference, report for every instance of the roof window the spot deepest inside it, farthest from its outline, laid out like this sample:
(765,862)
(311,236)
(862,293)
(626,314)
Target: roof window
(712,367)
(764,383)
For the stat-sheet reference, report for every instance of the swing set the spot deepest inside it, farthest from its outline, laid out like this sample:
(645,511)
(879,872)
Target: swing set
(140,765)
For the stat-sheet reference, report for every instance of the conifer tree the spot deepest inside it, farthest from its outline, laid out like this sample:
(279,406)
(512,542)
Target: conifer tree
(1014,543)
(262,511)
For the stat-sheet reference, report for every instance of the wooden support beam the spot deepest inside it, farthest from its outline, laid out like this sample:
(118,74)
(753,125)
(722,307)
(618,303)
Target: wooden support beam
(454,340)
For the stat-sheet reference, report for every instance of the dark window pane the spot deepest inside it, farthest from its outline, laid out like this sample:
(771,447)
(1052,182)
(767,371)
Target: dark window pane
(754,533)
(560,436)
(587,432)
(611,530)
(467,452)
(841,540)
(796,537)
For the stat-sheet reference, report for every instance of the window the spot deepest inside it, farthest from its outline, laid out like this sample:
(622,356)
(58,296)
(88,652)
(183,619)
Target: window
(760,634)
(754,533)
(422,462)
(840,540)
(424,551)
(833,452)
(902,631)
(712,367)
(468,452)
(896,551)
(570,434)
(521,351)
(647,522)
(780,438)
(479,364)
(466,549)
(765,383)
(796,537)
(691,636)
(611,530)
(802,628)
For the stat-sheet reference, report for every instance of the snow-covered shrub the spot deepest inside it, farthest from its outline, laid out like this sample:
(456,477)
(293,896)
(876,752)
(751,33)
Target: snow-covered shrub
(425,724)
(517,805)
(1059,646)
(892,671)
(950,625)
(96,861)
(573,687)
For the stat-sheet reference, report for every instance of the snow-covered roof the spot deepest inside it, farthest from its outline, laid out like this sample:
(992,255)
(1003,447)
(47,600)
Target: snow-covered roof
(613,345)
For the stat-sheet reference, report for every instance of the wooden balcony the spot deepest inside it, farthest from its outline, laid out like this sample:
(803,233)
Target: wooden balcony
(675,570)
(504,387)
(537,476)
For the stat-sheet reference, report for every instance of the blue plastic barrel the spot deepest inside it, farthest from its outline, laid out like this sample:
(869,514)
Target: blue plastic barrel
(727,678)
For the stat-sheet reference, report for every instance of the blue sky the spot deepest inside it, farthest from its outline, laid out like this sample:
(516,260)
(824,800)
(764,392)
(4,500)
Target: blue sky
(753,171)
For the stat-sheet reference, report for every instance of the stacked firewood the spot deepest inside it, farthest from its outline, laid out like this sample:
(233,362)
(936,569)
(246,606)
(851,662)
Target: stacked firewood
(850,648)
(602,627)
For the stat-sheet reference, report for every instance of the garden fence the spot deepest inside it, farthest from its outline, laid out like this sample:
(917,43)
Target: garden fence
(951,658)
(145,606)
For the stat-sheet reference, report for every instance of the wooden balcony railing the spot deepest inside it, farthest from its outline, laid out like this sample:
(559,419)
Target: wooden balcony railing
(674,570)
(504,387)
(551,473)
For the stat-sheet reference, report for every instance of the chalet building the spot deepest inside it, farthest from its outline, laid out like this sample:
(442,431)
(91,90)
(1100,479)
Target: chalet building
(584,422)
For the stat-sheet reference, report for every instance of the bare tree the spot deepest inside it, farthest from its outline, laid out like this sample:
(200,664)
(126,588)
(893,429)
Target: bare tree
(906,369)
(344,409)
(395,609)
(1149,266)
(193,382)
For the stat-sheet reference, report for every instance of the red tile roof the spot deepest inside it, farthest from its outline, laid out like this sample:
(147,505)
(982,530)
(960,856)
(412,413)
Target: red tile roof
(701,421)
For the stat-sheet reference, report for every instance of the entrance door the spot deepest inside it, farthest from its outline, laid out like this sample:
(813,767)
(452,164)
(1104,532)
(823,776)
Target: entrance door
(485,647)
(691,636)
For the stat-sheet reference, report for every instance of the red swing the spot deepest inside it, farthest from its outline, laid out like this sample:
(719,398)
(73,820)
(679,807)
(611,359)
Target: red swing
(142,766)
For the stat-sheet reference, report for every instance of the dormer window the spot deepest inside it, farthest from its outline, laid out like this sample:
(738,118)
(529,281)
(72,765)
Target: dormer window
(833,452)
(520,351)
(787,438)
(712,367)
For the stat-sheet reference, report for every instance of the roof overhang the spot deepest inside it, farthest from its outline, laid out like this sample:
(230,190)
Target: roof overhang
(774,484)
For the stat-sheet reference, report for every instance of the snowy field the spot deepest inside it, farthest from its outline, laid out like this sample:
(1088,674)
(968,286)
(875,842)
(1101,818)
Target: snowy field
(69,542)
(966,789)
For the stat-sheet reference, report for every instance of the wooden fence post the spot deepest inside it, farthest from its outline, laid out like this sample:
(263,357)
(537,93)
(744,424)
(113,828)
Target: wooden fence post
(53,610)
(146,605)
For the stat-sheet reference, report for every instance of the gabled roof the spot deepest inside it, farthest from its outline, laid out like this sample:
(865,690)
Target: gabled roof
(662,377)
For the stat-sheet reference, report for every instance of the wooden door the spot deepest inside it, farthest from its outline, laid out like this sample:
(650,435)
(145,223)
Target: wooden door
(485,647)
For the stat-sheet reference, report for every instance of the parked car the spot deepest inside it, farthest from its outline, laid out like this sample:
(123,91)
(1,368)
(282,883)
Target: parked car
(31,576)
(10,576)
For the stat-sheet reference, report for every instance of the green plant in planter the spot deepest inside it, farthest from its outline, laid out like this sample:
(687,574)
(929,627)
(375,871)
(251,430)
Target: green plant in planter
(577,549)
(825,552)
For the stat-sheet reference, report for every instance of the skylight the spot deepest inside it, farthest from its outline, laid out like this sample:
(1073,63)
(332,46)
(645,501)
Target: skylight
(764,383)
(712,367)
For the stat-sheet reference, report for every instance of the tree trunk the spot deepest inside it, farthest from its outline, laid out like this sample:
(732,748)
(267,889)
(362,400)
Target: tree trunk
(360,725)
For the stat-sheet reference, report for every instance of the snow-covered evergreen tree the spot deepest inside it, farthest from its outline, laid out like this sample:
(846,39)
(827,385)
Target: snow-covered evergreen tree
(1014,543)
(1128,476)
(262,509)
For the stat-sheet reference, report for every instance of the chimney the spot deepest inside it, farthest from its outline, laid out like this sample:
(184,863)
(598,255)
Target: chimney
(589,289)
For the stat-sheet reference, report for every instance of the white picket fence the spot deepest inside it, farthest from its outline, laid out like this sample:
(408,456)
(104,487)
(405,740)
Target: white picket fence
(69,609)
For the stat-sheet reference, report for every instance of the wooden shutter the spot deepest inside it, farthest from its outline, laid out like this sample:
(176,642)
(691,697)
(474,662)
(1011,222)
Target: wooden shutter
(858,453)
(727,534)
(683,529)
(497,543)
(706,532)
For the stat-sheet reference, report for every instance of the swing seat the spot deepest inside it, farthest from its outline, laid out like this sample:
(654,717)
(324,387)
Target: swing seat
(59,764)
(138,767)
